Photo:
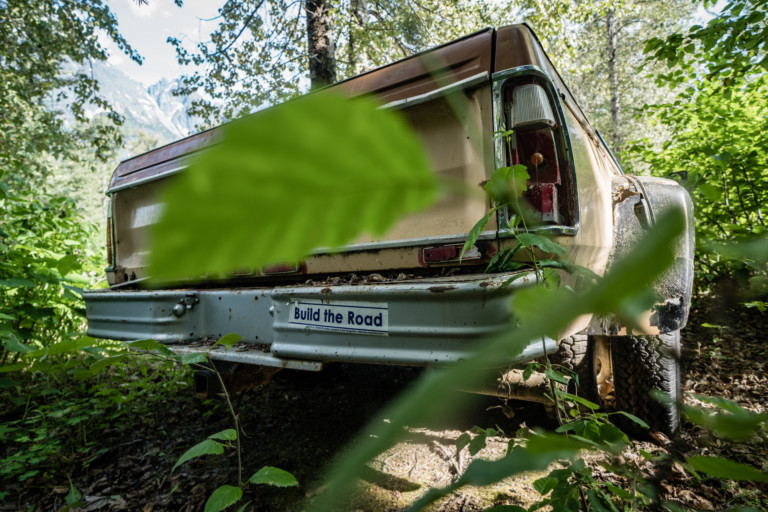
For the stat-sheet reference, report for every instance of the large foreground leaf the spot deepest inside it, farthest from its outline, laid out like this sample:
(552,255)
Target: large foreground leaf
(314,172)
(726,469)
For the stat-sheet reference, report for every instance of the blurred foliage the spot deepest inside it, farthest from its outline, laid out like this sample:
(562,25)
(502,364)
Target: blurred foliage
(428,397)
(720,147)
(314,172)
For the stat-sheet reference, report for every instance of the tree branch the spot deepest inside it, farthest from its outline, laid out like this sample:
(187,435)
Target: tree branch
(245,25)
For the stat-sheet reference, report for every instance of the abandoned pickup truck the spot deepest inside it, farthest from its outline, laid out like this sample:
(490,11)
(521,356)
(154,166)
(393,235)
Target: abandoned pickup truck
(409,298)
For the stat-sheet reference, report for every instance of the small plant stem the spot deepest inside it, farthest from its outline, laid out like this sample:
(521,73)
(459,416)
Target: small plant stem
(755,195)
(237,426)
(26,408)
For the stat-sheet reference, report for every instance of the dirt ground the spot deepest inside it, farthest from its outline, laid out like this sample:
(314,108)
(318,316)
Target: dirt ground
(301,420)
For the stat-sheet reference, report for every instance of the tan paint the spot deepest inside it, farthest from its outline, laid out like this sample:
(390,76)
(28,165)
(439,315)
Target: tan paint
(458,147)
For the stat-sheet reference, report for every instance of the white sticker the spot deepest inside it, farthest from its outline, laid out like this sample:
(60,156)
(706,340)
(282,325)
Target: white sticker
(147,215)
(340,316)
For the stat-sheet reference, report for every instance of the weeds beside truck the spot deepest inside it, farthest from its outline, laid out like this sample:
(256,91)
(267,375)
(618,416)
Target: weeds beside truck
(415,296)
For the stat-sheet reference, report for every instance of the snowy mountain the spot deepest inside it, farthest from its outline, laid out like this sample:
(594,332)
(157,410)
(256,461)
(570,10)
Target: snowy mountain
(153,111)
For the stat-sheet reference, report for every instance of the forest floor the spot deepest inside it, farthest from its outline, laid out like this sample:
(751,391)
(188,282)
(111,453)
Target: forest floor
(301,420)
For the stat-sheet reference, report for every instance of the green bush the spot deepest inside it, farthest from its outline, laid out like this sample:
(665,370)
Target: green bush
(45,261)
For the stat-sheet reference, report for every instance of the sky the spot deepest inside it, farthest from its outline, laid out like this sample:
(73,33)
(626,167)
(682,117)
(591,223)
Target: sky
(146,28)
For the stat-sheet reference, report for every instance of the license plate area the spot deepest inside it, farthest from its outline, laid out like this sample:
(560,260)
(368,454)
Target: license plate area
(370,318)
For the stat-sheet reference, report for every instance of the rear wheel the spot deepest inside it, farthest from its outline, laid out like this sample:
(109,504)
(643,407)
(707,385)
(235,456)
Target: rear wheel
(642,364)
(575,353)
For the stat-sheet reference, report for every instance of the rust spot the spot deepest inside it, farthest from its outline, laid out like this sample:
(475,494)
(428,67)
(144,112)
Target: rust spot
(624,194)
(441,289)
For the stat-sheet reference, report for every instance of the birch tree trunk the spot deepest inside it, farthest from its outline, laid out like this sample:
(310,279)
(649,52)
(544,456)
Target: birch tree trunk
(613,80)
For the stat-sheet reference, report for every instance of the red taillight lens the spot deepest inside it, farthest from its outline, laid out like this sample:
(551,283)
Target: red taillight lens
(536,150)
(281,268)
(536,146)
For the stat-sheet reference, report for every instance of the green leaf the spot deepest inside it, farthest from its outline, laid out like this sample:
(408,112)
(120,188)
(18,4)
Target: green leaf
(229,340)
(726,469)
(546,484)
(462,441)
(633,418)
(478,228)
(477,443)
(273,476)
(67,264)
(482,472)
(144,344)
(317,171)
(14,345)
(599,502)
(733,421)
(6,383)
(225,435)
(555,376)
(544,442)
(223,497)
(194,358)
(544,243)
(107,361)
(69,346)
(9,368)
(207,447)
(152,345)
(15,282)
(73,496)
(618,491)
(529,369)
(581,401)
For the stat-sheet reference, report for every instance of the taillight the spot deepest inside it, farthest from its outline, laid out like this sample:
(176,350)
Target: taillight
(110,261)
(449,253)
(536,147)
(281,268)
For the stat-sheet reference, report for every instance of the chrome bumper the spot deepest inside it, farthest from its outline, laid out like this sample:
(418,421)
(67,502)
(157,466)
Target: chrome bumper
(425,321)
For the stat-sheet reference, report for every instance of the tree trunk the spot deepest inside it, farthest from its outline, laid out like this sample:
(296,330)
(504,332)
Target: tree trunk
(613,80)
(320,45)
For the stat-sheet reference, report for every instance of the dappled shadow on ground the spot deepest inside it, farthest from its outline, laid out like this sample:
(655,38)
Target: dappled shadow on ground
(301,420)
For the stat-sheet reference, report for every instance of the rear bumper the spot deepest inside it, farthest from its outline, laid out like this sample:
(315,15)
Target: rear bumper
(418,322)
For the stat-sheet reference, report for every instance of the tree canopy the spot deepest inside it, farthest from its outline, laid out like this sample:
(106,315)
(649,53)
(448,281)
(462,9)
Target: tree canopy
(41,42)
(720,149)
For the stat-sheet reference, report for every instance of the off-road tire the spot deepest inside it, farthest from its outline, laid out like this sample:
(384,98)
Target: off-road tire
(575,353)
(640,365)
